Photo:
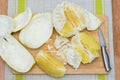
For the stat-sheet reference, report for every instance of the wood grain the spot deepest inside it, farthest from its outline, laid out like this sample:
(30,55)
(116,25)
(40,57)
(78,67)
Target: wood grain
(3,7)
(3,11)
(116,35)
(96,67)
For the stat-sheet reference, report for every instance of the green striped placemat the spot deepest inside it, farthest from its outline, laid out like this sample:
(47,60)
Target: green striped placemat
(95,6)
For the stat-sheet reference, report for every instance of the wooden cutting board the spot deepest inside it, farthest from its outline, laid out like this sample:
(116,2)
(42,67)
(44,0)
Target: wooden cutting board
(96,67)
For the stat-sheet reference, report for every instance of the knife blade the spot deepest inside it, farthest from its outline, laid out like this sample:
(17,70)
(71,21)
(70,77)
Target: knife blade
(104,51)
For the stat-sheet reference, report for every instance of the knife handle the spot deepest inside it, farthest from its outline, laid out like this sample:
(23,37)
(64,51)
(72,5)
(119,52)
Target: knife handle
(106,59)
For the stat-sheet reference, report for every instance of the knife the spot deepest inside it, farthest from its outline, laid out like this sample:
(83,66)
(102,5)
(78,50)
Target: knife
(104,51)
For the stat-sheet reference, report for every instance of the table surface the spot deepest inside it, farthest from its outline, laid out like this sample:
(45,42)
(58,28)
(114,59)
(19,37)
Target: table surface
(116,37)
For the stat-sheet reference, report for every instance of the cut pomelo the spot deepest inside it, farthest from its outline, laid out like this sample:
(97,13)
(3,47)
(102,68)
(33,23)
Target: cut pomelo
(69,18)
(90,43)
(50,65)
(87,46)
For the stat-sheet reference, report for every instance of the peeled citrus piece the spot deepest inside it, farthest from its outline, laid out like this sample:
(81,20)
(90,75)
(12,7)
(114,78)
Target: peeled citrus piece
(73,18)
(6,25)
(67,52)
(90,43)
(84,54)
(86,18)
(69,18)
(61,24)
(67,28)
(22,19)
(84,44)
(80,48)
(38,31)
(15,55)
(50,65)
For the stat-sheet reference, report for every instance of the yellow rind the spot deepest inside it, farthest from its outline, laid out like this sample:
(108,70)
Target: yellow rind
(22,20)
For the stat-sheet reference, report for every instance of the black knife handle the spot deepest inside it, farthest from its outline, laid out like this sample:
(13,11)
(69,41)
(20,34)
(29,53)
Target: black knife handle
(106,59)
